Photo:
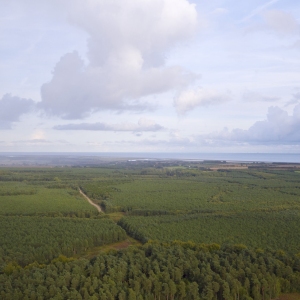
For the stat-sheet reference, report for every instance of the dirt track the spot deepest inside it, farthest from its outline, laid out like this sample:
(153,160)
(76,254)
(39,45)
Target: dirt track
(90,201)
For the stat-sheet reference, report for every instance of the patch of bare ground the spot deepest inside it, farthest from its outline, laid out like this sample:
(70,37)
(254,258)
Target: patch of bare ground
(90,201)
(115,246)
(116,216)
(294,296)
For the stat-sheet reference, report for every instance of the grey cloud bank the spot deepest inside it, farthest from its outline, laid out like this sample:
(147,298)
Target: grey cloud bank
(278,128)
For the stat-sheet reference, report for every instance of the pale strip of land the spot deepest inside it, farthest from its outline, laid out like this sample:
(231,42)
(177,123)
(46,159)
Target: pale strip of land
(90,201)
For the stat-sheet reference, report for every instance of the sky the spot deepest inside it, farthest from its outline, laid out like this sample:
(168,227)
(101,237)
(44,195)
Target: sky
(150,76)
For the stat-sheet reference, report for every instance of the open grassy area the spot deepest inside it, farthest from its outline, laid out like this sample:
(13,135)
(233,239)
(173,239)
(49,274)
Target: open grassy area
(111,247)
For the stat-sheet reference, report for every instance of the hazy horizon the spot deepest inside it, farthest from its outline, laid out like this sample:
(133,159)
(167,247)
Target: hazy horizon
(94,158)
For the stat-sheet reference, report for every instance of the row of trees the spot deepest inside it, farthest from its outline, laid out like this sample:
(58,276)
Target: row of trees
(159,271)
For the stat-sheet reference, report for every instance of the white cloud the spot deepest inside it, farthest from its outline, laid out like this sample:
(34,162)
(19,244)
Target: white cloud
(190,99)
(127,46)
(143,125)
(12,108)
(281,22)
(278,128)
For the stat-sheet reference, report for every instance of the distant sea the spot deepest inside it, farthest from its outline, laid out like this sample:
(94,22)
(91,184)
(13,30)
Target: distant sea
(240,157)
(244,157)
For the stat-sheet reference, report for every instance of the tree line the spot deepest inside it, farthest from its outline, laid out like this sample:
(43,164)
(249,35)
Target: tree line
(155,271)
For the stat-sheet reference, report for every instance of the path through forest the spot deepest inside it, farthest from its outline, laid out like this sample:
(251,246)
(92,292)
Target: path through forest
(90,201)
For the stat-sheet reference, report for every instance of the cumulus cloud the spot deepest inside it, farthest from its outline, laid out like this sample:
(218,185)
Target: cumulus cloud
(278,128)
(281,22)
(143,125)
(12,108)
(190,99)
(127,47)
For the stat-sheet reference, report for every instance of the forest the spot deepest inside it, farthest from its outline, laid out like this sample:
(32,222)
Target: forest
(191,230)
